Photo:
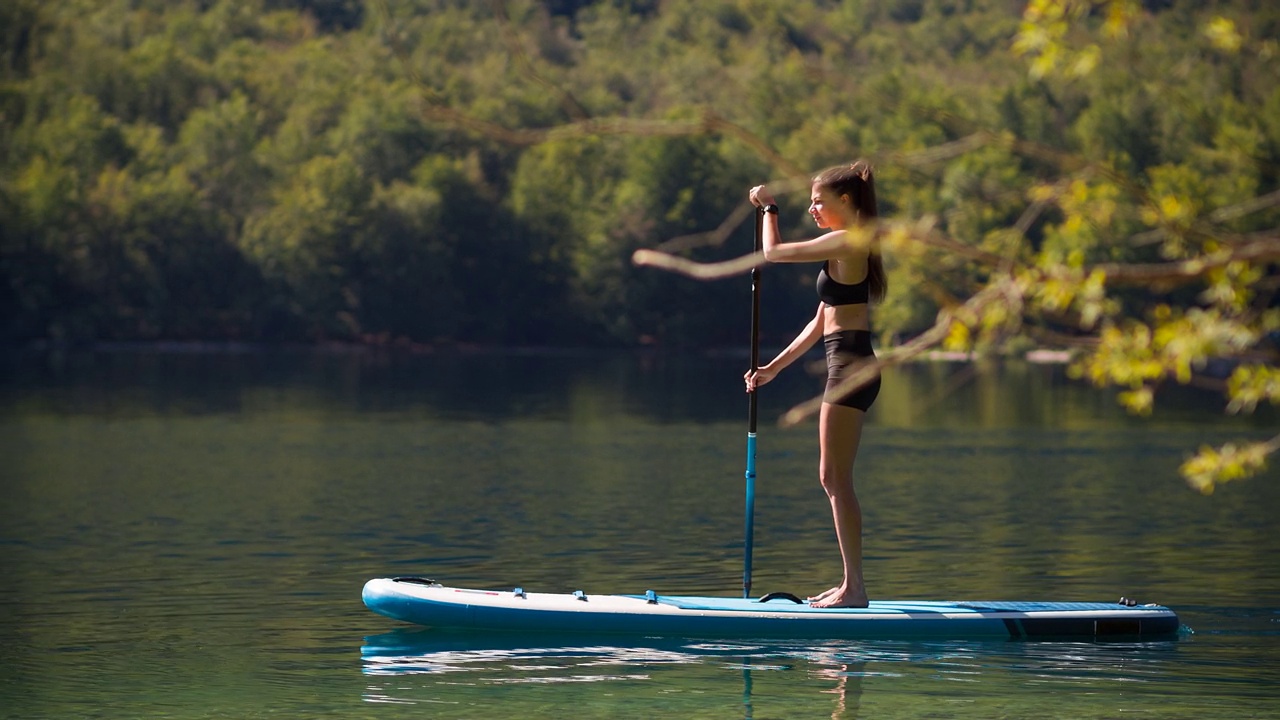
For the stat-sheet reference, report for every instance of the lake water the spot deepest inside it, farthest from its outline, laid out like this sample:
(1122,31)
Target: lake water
(185,535)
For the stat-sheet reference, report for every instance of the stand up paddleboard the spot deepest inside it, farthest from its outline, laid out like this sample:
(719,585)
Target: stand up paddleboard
(774,616)
(778,615)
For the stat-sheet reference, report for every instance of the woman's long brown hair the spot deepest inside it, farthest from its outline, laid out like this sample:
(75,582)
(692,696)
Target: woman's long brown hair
(857,181)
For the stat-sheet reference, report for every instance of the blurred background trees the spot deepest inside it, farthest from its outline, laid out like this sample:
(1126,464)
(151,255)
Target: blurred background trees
(436,171)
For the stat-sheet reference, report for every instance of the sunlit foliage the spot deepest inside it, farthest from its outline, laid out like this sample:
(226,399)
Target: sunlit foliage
(1098,176)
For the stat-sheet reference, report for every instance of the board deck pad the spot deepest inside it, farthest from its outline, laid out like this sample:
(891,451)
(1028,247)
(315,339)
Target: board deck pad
(880,606)
(426,602)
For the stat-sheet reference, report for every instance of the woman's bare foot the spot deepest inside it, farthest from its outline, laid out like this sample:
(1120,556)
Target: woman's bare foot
(841,597)
(823,595)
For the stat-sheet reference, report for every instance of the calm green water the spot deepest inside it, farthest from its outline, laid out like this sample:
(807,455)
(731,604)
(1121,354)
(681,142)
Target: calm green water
(186,536)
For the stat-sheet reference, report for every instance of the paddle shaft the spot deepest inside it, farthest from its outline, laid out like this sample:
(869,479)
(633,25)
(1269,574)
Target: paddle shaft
(751,413)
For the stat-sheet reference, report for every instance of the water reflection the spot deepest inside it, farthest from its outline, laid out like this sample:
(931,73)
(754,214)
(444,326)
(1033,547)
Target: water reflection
(417,666)
(652,386)
(491,660)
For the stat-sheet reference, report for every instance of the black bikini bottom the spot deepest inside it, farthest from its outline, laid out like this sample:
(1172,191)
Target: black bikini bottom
(845,349)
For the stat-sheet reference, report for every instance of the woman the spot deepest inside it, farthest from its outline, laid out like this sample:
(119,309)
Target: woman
(851,277)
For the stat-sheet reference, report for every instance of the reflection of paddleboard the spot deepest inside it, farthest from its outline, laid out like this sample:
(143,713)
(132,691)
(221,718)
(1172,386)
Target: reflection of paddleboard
(426,602)
(409,650)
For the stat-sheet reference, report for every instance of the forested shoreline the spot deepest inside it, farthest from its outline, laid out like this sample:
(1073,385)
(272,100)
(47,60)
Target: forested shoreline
(435,172)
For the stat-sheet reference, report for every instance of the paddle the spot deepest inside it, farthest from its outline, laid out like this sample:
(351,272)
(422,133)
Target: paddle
(751,413)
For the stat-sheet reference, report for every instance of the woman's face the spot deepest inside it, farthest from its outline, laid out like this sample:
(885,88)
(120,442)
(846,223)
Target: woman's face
(829,211)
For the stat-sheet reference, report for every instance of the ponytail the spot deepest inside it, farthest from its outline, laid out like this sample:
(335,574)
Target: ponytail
(857,180)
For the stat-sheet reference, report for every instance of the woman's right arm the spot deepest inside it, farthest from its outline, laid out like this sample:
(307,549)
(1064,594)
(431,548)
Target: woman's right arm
(798,347)
(832,245)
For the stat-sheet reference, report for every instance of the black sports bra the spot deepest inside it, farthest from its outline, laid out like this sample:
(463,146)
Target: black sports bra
(833,292)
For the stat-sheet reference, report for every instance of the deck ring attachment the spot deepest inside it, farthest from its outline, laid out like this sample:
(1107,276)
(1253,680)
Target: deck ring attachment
(415,580)
(580,595)
(780,595)
(520,593)
(651,597)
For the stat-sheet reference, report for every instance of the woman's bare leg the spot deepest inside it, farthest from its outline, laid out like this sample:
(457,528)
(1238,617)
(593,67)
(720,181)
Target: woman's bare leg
(839,432)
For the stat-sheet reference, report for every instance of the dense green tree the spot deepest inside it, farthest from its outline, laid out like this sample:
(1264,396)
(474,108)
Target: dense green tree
(1092,174)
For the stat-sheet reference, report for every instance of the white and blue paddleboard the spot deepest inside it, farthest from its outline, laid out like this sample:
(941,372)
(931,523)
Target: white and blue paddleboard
(778,615)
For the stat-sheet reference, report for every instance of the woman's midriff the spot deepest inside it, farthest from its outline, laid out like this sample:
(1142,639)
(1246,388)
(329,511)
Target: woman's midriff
(845,317)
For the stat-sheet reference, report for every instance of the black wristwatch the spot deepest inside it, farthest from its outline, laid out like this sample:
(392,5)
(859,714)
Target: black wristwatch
(770,208)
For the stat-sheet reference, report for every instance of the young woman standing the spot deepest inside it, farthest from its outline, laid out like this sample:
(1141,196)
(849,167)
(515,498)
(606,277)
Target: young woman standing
(851,278)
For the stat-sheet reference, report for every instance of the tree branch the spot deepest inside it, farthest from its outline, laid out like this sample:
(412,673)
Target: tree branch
(900,354)
(693,269)
(1247,207)
(1265,250)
